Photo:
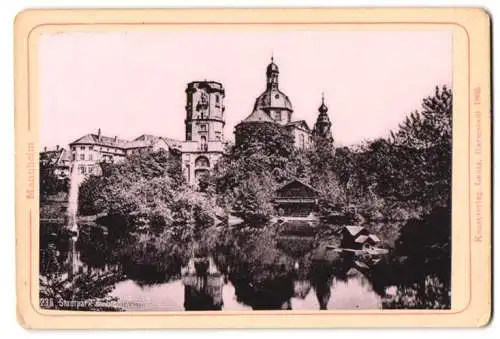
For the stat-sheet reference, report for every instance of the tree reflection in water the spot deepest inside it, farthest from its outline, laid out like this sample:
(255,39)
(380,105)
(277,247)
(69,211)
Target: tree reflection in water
(256,267)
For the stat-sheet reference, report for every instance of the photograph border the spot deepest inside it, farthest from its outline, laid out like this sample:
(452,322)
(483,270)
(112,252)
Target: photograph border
(471,178)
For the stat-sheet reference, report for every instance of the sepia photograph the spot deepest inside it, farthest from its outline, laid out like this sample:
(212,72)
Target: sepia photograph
(215,170)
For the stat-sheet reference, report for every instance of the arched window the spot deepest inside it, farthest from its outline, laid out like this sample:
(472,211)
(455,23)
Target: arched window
(203,143)
(202,162)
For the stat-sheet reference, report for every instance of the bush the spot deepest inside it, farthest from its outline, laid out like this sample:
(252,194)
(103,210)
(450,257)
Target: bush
(253,200)
(297,228)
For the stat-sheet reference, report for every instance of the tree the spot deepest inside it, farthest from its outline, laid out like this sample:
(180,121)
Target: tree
(331,196)
(50,183)
(423,145)
(245,178)
(253,200)
(90,192)
(101,193)
(266,138)
(426,244)
(410,170)
(83,292)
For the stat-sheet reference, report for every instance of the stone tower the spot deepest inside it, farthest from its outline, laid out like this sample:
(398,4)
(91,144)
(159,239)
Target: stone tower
(204,129)
(323,126)
(204,111)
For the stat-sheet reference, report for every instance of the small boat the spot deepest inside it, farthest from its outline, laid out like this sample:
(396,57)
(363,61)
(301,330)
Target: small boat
(376,251)
(361,265)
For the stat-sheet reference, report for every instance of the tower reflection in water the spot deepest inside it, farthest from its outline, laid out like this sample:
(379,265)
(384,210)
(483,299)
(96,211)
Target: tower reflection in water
(203,285)
(236,279)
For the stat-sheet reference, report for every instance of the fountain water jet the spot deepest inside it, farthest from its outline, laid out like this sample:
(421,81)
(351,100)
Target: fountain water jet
(72,214)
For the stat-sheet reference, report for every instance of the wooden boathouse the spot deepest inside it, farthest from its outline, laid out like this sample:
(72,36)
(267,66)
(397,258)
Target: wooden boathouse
(358,238)
(296,200)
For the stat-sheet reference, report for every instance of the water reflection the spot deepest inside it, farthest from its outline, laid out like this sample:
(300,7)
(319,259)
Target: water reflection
(259,271)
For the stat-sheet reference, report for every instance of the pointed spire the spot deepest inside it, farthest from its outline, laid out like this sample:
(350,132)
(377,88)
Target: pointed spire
(323,108)
(272,72)
(272,65)
(322,127)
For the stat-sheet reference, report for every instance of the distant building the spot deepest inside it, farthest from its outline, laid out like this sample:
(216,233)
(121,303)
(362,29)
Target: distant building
(145,143)
(358,238)
(274,106)
(204,130)
(204,127)
(323,126)
(59,158)
(91,149)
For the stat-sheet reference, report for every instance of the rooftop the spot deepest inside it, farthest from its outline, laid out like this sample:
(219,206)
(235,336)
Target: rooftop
(353,230)
(98,139)
(144,140)
(298,123)
(258,115)
(300,182)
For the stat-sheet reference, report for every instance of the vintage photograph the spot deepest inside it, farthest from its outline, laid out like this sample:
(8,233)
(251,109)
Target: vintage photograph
(226,170)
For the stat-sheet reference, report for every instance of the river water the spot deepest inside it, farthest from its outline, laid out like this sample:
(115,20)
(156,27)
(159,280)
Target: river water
(354,293)
(261,272)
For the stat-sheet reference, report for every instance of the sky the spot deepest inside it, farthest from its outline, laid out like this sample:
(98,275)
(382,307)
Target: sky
(131,83)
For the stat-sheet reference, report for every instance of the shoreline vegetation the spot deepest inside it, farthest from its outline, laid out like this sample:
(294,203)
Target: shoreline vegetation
(398,188)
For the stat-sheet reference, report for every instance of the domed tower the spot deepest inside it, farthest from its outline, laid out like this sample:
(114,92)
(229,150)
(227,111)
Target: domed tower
(323,125)
(273,101)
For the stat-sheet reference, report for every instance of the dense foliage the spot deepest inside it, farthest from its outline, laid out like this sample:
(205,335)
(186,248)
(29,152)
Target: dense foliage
(82,290)
(400,177)
(263,159)
(50,183)
(407,174)
(146,197)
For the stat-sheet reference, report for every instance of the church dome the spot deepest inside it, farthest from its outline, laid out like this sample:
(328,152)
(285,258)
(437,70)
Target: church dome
(273,98)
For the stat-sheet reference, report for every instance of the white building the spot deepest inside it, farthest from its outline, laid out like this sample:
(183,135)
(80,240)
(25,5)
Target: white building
(91,149)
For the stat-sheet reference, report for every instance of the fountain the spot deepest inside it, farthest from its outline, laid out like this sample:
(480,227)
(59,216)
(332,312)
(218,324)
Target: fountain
(74,185)
(72,214)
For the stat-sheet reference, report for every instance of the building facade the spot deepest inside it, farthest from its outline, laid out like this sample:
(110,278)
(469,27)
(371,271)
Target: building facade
(146,143)
(204,127)
(91,149)
(273,105)
(358,238)
(58,158)
(296,199)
